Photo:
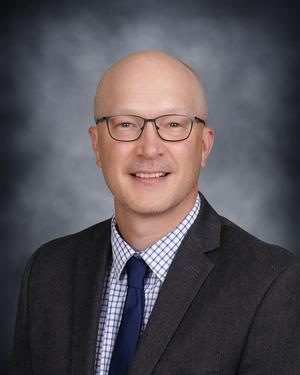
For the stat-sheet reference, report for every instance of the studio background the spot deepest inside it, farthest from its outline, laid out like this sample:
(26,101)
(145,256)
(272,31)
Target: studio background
(52,58)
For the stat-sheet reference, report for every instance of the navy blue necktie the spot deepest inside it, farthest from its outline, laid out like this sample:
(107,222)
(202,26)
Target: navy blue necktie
(129,331)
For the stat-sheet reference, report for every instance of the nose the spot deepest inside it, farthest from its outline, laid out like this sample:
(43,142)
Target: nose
(149,144)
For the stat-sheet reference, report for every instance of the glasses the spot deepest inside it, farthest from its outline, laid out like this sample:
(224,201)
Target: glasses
(128,128)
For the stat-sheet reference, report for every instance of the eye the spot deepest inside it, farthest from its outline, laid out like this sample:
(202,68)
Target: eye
(175,125)
(125,125)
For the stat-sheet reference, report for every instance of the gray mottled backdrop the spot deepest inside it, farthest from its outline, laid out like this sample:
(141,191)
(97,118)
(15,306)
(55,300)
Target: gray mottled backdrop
(52,57)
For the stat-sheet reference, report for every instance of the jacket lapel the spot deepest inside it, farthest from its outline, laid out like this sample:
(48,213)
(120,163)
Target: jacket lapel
(93,256)
(186,275)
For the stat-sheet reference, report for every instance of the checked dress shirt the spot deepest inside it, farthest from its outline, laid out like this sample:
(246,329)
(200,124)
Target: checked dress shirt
(158,257)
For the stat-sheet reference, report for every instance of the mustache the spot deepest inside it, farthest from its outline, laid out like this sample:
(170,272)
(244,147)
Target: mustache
(150,166)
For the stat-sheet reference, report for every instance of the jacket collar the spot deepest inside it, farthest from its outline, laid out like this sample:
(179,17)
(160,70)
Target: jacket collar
(186,275)
(93,255)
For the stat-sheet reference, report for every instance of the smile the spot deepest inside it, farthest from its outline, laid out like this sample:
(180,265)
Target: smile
(149,175)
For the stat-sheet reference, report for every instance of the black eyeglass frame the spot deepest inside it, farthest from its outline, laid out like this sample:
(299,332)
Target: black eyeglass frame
(153,120)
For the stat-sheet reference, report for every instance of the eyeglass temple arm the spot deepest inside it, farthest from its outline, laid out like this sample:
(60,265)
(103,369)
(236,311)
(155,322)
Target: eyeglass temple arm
(199,119)
(97,119)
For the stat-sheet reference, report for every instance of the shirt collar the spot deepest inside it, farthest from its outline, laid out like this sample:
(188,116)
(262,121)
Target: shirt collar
(159,255)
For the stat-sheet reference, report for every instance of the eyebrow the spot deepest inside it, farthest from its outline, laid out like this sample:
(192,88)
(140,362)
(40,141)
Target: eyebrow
(132,111)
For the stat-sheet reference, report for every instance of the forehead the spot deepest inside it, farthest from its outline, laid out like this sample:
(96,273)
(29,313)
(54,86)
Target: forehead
(149,86)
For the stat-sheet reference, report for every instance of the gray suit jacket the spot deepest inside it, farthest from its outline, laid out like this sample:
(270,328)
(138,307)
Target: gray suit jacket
(229,305)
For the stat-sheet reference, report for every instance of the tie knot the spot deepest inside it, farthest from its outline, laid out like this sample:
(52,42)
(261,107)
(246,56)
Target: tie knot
(136,270)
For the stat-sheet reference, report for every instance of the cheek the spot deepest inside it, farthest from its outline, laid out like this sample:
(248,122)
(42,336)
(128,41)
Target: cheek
(109,162)
(190,157)
(113,157)
(110,170)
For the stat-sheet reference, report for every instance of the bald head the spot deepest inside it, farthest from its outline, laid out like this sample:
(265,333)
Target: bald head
(150,83)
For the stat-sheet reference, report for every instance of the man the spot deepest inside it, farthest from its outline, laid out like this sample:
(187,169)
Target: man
(167,286)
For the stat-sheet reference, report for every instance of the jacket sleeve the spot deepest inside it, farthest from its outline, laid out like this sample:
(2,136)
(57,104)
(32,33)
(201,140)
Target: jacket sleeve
(21,356)
(273,343)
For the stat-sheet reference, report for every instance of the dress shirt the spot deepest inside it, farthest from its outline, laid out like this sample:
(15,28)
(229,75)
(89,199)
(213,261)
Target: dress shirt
(158,257)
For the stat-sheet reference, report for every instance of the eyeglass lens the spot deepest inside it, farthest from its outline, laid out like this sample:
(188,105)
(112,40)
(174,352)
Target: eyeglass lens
(170,127)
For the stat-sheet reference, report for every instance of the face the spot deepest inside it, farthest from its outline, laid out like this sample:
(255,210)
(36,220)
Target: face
(151,176)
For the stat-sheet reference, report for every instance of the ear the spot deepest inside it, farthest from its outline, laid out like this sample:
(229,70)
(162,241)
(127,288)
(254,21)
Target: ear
(208,135)
(93,132)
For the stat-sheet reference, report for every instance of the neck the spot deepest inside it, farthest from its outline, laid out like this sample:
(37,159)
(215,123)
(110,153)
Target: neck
(140,231)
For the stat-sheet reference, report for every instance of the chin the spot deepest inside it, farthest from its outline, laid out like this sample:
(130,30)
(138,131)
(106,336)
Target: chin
(148,211)
(154,203)
(150,207)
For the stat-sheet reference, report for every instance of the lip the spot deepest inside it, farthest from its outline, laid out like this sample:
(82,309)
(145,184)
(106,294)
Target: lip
(149,180)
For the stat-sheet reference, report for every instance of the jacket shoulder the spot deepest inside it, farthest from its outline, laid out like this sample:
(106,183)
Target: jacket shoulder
(59,255)
(68,243)
(249,253)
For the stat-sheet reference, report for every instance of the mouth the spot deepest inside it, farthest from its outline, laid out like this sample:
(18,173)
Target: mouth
(150,177)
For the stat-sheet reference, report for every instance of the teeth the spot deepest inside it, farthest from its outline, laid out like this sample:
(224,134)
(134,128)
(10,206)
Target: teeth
(150,175)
